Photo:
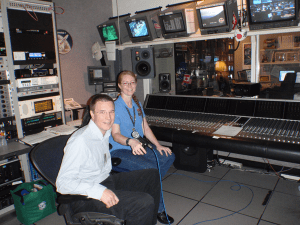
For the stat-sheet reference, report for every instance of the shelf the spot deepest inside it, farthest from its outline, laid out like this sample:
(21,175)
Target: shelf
(277,63)
(198,37)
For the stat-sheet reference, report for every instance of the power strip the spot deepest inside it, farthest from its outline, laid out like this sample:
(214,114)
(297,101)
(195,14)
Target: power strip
(231,163)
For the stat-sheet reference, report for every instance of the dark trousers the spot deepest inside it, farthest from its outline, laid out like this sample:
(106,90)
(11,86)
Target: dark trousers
(138,193)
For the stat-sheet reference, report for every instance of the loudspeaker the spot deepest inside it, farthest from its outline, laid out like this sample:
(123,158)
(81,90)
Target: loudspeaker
(164,82)
(190,158)
(143,62)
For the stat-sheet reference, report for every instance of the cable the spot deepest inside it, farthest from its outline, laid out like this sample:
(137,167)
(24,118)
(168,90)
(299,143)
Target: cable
(160,184)
(236,184)
(36,18)
(63,10)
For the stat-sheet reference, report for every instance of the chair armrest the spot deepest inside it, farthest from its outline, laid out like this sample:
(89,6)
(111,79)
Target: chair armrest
(66,199)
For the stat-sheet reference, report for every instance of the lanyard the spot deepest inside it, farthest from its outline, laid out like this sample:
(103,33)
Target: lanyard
(132,119)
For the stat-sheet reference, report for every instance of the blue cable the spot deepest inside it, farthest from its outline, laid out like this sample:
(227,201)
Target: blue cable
(160,183)
(237,184)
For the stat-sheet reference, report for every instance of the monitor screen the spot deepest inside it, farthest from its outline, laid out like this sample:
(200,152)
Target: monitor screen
(272,10)
(109,33)
(138,28)
(98,74)
(282,74)
(213,16)
(173,22)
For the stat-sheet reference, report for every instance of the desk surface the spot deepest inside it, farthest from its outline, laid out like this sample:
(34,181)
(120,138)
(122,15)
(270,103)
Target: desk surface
(13,148)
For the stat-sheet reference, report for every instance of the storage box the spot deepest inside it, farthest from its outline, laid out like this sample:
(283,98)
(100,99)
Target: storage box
(33,203)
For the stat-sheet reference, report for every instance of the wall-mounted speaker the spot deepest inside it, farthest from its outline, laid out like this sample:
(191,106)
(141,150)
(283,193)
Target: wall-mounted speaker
(164,82)
(143,62)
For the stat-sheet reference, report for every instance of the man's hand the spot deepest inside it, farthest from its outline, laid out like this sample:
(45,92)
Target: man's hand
(109,198)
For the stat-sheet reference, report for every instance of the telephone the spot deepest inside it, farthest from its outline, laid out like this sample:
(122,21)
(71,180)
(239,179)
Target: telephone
(70,104)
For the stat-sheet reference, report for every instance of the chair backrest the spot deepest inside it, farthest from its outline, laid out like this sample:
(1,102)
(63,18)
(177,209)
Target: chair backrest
(46,157)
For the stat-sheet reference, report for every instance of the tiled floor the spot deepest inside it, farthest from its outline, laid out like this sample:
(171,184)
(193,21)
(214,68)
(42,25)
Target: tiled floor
(222,196)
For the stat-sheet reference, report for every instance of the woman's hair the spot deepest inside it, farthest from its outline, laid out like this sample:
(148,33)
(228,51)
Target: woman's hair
(91,106)
(120,78)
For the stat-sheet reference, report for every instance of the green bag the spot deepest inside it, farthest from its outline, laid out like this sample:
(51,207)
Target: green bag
(33,206)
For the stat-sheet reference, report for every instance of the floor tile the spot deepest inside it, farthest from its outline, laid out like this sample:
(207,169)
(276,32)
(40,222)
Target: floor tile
(184,183)
(251,178)
(288,187)
(216,216)
(283,209)
(244,199)
(177,206)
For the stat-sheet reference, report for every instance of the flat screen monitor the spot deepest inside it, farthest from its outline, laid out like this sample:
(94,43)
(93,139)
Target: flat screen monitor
(265,14)
(108,32)
(282,74)
(138,29)
(98,74)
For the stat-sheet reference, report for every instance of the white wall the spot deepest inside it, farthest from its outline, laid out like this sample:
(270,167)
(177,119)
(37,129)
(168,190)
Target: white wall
(131,6)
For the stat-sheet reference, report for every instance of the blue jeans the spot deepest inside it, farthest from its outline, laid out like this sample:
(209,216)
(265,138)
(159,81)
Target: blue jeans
(132,162)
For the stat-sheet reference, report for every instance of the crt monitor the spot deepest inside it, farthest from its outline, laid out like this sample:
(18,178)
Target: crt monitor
(282,74)
(216,16)
(179,20)
(264,14)
(138,29)
(98,74)
(110,29)
(109,32)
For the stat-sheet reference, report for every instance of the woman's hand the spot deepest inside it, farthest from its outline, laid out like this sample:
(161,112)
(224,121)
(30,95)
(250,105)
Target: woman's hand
(137,147)
(162,149)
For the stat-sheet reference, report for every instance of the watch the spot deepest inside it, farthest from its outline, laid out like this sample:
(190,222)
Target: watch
(127,141)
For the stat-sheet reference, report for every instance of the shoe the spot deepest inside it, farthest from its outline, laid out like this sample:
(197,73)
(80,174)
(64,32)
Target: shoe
(162,218)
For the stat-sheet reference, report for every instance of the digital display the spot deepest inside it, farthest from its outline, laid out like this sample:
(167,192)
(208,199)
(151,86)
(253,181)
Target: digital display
(272,10)
(109,33)
(282,74)
(35,55)
(97,74)
(173,23)
(213,16)
(138,28)
(43,106)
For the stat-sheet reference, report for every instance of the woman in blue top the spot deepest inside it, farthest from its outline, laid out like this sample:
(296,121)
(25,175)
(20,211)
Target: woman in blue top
(130,117)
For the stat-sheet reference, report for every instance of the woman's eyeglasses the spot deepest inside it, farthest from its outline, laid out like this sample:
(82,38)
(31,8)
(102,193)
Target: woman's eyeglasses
(129,83)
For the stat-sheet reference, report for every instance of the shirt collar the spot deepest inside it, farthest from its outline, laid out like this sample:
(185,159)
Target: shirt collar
(96,131)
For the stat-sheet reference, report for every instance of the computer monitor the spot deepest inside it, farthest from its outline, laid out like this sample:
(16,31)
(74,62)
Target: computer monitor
(264,14)
(179,20)
(109,30)
(144,26)
(98,74)
(282,74)
(216,16)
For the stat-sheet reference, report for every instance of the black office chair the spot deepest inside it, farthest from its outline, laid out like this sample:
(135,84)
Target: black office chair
(46,157)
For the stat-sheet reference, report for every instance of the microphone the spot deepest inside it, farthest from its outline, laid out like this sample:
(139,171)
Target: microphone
(144,141)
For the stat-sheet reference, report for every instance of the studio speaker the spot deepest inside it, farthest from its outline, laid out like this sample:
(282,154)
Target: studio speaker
(164,82)
(143,62)
(190,158)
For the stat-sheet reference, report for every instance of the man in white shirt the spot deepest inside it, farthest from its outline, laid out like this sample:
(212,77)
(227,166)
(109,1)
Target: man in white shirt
(86,166)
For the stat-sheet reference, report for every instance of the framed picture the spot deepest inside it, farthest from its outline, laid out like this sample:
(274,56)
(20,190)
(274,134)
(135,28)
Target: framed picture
(247,56)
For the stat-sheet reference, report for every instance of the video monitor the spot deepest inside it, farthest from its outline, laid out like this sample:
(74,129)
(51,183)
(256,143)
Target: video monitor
(114,29)
(109,32)
(282,74)
(98,74)
(138,29)
(214,16)
(173,22)
(265,14)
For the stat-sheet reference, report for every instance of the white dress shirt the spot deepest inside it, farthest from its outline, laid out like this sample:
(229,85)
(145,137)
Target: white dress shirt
(86,163)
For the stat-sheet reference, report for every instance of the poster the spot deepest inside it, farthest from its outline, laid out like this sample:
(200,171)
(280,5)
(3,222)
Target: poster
(247,56)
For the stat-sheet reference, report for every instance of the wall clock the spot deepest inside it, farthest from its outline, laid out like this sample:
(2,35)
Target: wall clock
(65,42)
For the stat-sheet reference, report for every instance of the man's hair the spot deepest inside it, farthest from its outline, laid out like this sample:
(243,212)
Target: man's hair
(99,98)
(91,106)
